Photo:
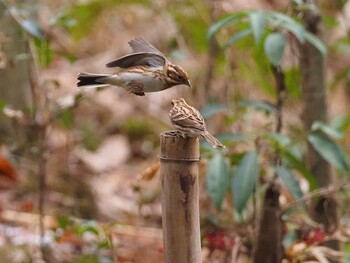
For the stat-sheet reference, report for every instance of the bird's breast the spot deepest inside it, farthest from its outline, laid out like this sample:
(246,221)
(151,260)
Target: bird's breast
(151,79)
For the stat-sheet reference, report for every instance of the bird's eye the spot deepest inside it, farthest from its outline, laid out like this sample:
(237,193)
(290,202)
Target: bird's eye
(180,77)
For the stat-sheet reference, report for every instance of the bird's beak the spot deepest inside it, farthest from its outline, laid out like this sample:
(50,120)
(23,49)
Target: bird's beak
(188,83)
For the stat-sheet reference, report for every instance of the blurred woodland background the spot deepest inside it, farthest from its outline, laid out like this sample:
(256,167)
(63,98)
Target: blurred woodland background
(79,169)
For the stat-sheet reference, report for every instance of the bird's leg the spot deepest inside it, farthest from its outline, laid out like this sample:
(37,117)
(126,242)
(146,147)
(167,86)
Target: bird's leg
(136,88)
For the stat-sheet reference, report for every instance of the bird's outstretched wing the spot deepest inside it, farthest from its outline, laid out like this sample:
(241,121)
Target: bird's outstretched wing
(139,45)
(144,54)
(138,59)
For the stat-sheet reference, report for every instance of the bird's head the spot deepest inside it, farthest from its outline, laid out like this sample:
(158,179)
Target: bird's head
(178,101)
(177,76)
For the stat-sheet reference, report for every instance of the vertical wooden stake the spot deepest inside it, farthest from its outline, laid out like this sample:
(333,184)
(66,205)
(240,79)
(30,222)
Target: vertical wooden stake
(179,172)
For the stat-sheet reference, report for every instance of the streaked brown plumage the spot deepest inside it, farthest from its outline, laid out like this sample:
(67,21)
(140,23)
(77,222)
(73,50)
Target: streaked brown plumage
(190,122)
(144,70)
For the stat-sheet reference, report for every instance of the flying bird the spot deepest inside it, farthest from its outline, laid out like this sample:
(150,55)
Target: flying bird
(146,69)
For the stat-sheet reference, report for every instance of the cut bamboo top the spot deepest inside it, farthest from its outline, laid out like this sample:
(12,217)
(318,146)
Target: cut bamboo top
(175,148)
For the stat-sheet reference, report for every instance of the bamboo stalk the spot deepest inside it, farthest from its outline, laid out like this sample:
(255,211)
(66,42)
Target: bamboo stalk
(179,172)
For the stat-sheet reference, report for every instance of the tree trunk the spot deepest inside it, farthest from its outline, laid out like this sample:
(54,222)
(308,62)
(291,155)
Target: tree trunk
(268,248)
(324,209)
(15,82)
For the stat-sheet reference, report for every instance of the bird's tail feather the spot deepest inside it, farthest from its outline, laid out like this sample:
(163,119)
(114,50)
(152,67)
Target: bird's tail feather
(212,140)
(92,80)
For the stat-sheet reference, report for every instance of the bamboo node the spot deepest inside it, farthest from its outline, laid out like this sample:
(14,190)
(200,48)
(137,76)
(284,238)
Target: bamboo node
(188,160)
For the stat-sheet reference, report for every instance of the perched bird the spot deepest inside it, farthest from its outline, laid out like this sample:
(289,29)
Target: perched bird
(189,122)
(146,69)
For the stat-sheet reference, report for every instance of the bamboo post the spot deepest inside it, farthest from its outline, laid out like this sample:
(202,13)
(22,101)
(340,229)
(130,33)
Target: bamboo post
(180,207)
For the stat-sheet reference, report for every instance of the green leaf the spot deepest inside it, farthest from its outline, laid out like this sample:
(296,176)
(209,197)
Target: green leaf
(244,178)
(299,165)
(347,252)
(88,258)
(329,150)
(257,105)
(279,20)
(90,229)
(274,46)
(213,109)
(44,51)
(281,139)
(343,74)
(90,139)
(236,158)
(64,221)
(292,155)
(227,21)
(2,105)
(104,244)
(66,119)
(330,21)
(289,181)
(327,129)
(84,227)
(217,179)
(237,36)
(316,42)
(32,28)
(256,19)
(340,122)
(289,239)
(342,46)
(61,19)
